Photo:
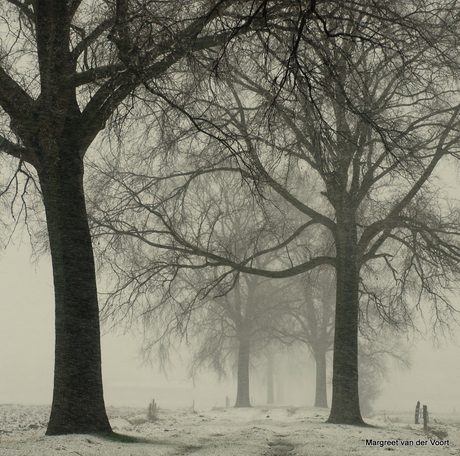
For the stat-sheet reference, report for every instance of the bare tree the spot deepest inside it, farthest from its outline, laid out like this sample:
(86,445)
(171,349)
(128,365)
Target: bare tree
(379,344)
(236,326)
(361,126)
(309,319)
(67,68)
(226,317)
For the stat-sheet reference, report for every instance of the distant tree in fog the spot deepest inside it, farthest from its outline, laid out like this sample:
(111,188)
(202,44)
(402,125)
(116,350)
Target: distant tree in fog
(225,317)
(375,355)
(309,319)
(270,374)
(232,330)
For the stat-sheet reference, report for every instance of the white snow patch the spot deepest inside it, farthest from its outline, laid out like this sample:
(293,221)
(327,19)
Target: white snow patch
(270,431)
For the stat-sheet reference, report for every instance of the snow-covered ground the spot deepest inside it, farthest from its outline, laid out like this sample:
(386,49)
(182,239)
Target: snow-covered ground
(258,431)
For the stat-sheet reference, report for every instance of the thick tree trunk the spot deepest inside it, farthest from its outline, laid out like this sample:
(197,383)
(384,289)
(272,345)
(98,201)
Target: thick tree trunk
(78,404)
(270,380)
(321,379)
(345,398)
(242,394)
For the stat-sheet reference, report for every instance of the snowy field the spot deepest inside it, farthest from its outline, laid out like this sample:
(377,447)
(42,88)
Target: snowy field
(258,431)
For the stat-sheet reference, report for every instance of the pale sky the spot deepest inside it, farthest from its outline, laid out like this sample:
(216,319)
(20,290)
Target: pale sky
(26,357)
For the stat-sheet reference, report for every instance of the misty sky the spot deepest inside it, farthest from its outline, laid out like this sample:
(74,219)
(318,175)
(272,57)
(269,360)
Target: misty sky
(26,357)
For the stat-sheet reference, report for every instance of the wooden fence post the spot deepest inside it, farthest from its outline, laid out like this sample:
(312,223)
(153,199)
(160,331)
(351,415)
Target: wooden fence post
(417,412)
(425,417)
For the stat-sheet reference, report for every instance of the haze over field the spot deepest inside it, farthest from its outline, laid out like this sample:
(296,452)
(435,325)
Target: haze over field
(26,357)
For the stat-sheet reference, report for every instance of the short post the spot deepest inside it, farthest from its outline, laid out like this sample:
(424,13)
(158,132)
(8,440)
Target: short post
(417,412)
(153,411)
(425,417)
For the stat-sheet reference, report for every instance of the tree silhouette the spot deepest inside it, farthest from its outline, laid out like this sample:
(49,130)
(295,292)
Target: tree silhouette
(361,126)
(68,68)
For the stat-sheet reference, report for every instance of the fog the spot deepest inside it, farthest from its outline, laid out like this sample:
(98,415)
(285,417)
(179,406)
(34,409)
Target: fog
(26,359)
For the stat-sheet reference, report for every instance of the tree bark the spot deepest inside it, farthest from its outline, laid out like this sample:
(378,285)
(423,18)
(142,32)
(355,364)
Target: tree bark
(345,398)
(321,379)
(78,404)
(242,395)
